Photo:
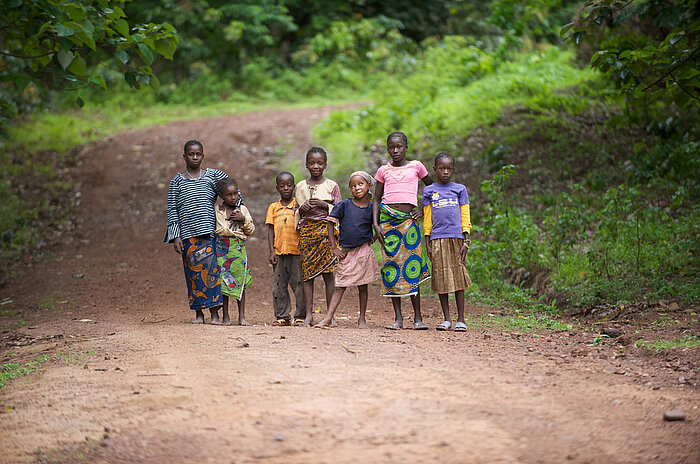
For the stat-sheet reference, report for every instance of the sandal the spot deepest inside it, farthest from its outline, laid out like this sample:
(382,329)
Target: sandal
(298,321)
(460,327)
(280,322)
(419,326)
(445,325)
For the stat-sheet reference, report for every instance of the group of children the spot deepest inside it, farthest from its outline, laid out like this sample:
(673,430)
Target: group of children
(312,231)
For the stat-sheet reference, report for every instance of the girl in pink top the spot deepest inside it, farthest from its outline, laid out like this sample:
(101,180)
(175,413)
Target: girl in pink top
(395,213)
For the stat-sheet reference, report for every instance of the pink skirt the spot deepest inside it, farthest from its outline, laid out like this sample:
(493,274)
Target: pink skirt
(358,268)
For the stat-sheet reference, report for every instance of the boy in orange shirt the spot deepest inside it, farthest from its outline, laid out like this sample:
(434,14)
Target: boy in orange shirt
(283,240)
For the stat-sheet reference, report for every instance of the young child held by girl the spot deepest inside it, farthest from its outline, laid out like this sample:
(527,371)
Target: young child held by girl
(234,225)
(394,216)
(283,240)
(357,264)
(447,225)
(315,198)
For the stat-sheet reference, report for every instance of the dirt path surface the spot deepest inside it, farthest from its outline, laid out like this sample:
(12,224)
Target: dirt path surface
(127,380)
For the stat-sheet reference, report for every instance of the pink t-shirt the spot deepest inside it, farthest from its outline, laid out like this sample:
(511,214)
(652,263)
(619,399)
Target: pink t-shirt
(401,183)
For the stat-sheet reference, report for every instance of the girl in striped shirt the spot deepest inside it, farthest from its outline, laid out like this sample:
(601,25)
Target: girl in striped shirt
(191,225)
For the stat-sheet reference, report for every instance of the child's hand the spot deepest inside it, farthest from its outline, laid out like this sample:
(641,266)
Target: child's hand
(340,254)
(463,251)
(429,249)
(177,243)
(416,214)
(317,203)
(306,207)
(273,258)
(236,215)
(379,235)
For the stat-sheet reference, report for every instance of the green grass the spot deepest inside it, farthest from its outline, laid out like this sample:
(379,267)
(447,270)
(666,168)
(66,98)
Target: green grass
(525,323)
(689,341)
(11,371)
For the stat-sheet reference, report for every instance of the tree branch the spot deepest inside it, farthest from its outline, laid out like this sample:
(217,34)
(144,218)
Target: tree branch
(670,71)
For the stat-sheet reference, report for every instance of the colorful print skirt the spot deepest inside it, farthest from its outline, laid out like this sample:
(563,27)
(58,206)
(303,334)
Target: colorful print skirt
(201,272)
(315,249)
(233,260)
(449,271)
(403,268)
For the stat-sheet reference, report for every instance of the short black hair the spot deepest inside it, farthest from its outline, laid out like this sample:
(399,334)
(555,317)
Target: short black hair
(282,174)
(189,143)
(397,134)
(444,154)
(317,150)
(223,184)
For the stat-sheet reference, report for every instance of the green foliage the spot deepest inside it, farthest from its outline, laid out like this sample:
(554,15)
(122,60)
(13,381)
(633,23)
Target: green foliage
(689,341)
(14,370)
(644,46)
(525,323)
(56,44)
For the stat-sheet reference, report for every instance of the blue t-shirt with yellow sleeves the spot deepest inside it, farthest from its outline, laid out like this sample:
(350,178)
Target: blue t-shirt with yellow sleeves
(446,202)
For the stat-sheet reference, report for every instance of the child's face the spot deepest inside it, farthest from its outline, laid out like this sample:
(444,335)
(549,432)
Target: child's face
(285,187)
(397,149)
(230,196)
(444,168)
(316,164)
(194,155)
(358,187)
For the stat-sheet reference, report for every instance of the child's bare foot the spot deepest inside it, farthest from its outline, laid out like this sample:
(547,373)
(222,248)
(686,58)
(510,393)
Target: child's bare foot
(215,316)
(361,324)
(199,318)
(226,320)
(325,323)
(243,322)
(308,322)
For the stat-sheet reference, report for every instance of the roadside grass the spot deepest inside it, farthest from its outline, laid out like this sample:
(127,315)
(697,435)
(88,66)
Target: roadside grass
(14,370)
(689,341)
(524,323)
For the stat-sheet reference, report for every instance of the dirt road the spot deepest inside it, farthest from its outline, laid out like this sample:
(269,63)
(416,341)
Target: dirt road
(127,380)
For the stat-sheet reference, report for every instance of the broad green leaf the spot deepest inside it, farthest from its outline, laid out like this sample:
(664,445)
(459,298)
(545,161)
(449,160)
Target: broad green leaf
(146,52)
(76,13)
(78,66)
(138,37)
(579,36)
(122,27)
(146,70)
(21,82)
(122,56)
(98,80)
(80,102)
(64,31)
(155,83)
(65,58)
(130,78)
(165,48)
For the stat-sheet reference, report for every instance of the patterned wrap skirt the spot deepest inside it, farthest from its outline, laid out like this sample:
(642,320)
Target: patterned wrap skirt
(201,272)
(358,268)
(403,268)
(232,258)
(449,271)
(315,249)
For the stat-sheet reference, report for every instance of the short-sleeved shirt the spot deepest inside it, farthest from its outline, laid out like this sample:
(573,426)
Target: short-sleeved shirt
(446,201)
(327,191)
(401,182)
(282,219)
(355,223)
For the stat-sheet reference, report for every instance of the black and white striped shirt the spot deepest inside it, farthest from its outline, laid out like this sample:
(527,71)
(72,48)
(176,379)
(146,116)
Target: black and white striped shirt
(191,205)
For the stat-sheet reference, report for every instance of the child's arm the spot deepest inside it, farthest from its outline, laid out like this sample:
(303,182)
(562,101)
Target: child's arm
(248,224)
(340,254)
(466,229)
(271,243)
(378,194)
(427,229)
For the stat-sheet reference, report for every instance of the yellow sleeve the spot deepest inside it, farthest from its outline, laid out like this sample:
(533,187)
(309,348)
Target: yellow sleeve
(427,220)
(466,219)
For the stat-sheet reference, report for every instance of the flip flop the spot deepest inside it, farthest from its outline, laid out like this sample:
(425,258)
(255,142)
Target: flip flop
(419,326)
(460,327)
(445,325)
(394,326)
(298,321)
(280,322)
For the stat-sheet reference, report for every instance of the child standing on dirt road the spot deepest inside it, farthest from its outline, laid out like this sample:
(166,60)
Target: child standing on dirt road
(446,224)
(315,198)
(191,226)
(357,264)
(234,225)
(394,216)
(283,240)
